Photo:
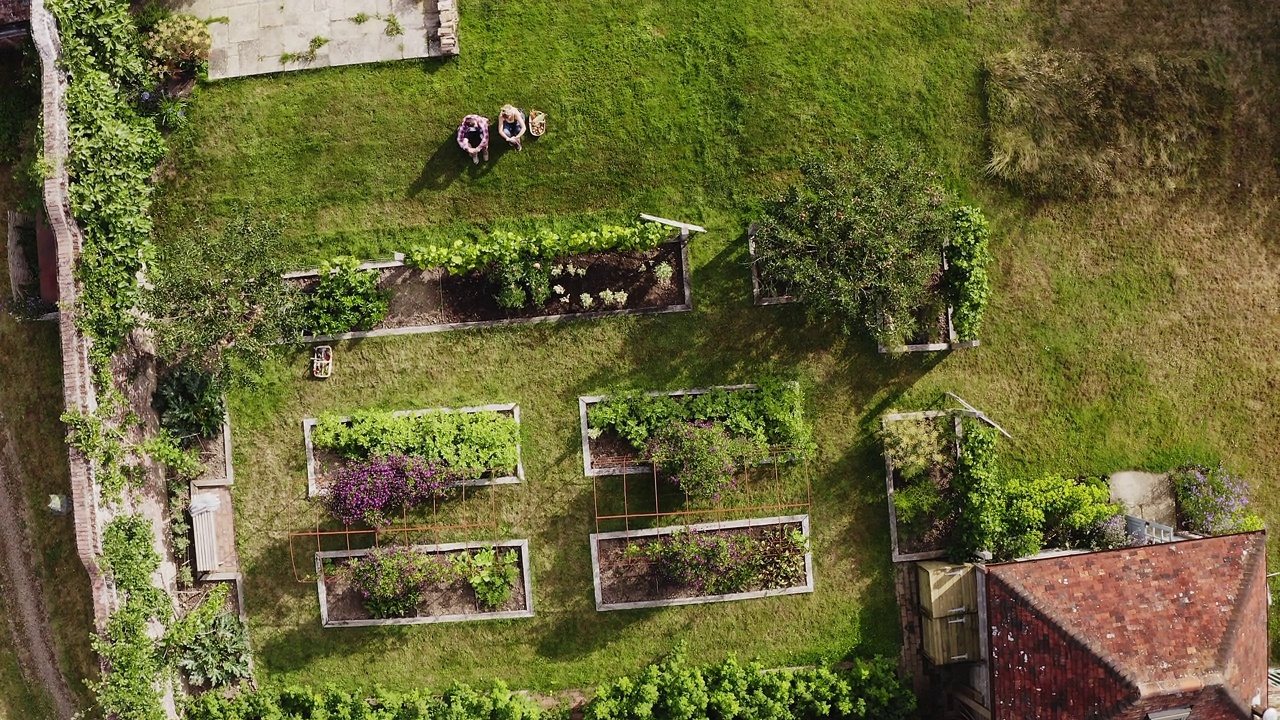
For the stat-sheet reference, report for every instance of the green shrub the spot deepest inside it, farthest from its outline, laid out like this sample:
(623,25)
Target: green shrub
(674,690)
(179,45)
(859,241)
(345,299)
(978,487)
(459,702)
(914,445)
(968,286)
(1072,123)
(463,442)
(189,401)
(490,573)
(1049,511)
(772,414)
(701,457)
(166,449)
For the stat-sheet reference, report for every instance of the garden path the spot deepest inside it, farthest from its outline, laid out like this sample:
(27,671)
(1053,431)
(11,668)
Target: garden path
(1147,495)
(254,37)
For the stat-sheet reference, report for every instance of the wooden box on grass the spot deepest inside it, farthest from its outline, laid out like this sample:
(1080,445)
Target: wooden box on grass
(951,639)
(947,589)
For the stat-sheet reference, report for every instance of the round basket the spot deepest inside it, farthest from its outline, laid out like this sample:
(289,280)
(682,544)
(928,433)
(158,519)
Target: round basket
(537,123)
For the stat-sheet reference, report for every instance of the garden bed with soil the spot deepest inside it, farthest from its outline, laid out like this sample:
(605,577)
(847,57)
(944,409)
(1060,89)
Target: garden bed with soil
(324,465)
(624,583)
(342,606)
(424,301)
(215,456)
(937,329)
(610,454)
(926,538)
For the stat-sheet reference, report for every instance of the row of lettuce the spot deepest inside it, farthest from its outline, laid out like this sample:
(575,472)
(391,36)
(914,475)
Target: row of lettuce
(672,689)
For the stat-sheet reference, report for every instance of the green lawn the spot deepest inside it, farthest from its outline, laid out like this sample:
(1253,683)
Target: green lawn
(1125,332)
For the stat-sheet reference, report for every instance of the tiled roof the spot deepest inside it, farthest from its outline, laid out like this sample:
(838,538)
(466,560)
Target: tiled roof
(1138,623)
(12,11)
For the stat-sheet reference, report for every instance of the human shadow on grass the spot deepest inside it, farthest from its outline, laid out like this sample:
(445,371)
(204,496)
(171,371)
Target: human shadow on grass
(440,171)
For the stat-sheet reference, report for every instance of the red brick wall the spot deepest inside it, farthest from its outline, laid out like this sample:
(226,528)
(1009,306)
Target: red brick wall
(1038,671)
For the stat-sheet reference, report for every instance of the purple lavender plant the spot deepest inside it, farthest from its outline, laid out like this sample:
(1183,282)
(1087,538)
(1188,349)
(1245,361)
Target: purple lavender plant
(371,490)
(1212,501)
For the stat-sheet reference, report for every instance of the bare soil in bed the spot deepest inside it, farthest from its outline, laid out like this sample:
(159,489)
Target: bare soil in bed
(433,297)
(624,580)
(344,602)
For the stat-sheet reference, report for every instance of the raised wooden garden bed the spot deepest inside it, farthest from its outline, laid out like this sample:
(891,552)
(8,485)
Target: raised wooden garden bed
(322,464)
(932,542)
(623,583)
(342,606)
(763,293)
(426,301)
(609,454)
(215,456)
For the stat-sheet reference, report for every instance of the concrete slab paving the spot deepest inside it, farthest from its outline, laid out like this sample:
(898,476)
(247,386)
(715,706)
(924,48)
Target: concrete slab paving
(1147,495)
(267,36)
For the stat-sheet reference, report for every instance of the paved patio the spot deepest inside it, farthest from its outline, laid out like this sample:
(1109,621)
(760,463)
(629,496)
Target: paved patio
(253,38)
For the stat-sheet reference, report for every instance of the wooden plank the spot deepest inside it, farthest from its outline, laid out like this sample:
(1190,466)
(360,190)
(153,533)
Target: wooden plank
(673,223)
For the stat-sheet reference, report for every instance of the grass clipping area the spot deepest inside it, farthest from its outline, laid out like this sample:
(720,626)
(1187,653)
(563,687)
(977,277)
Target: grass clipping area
(1069,123)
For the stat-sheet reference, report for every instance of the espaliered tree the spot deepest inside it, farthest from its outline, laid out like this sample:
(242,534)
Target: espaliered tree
(860,241)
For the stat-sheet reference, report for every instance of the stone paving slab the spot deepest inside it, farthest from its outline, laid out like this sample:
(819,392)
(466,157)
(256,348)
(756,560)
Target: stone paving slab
(254,38)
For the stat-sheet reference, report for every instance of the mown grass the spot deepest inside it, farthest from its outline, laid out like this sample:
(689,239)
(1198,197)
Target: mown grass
(1126,333)
(31,403)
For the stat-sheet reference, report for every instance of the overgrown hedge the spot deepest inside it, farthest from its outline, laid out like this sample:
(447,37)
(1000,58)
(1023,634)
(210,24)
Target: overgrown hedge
(772,414)
(463,442)
(968,285)
(668,690)
(113,151)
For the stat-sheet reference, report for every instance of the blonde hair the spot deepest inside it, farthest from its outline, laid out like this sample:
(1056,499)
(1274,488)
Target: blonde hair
(510,110)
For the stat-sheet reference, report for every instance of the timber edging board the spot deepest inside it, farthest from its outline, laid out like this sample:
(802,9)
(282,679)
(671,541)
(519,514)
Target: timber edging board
(601,606)
(521,545)
(686,305)
(308,424)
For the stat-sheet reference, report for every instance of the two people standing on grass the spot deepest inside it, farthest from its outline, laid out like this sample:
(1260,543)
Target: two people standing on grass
(473,133)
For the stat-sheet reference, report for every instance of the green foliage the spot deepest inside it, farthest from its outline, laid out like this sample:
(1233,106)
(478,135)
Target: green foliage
(128,687)
(917,502)
(968,285)
(218,301)
(490,573)
(1072,123)
(218,654)
(113,153)
(391,580)
(152,13)
(701,457)
(978,486)
(772,414)
(859,241)
(166,449)
(179,46)
(674,690)
(464,442)
(1049,510)
(916,444)
(459,702)
(714,564)
(19,109)
(103,445)
(189,401)
(345,299)
(521,283)
(1212,501)
(511,249)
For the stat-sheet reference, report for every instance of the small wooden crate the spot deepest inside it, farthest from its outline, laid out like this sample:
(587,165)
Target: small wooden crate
(947,589)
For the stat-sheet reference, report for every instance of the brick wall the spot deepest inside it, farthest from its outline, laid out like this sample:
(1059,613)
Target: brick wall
(1245,666)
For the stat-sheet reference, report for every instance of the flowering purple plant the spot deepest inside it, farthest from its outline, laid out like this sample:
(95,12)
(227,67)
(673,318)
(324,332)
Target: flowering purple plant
(370,490)
(1212,501)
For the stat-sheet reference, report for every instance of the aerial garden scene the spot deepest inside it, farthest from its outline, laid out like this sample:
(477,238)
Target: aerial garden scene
(574,358)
